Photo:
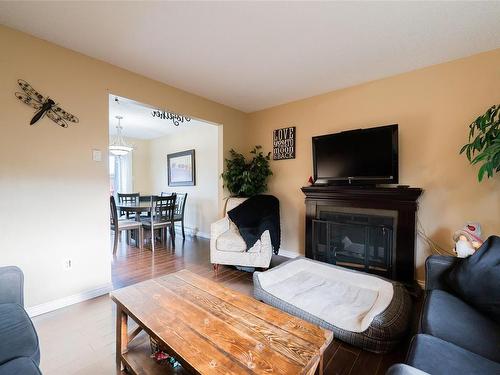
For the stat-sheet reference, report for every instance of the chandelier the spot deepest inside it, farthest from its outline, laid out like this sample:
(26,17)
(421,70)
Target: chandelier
(119,147)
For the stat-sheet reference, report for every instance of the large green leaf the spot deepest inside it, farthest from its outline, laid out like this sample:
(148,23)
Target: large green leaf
(484,142)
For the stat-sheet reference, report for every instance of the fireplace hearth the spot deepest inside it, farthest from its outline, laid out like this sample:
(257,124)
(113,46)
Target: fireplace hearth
(369,229)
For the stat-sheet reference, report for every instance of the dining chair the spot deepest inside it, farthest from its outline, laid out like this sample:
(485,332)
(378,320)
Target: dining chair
(180,205)
(120,225)
(162,217)
(145,198)
(127,198)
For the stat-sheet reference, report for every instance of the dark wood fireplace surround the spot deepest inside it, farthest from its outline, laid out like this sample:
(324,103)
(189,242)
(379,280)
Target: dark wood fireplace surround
(401,200)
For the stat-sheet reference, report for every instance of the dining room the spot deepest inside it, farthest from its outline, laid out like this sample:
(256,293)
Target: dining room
(164,178)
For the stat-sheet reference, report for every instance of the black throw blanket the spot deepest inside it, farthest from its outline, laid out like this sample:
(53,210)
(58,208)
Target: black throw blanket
(256,215)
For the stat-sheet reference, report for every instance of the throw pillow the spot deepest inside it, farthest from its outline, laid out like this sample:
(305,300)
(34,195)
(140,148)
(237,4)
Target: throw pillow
(476,279)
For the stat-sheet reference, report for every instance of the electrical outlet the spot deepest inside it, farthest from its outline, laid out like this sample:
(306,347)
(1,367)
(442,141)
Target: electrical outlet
(67,264)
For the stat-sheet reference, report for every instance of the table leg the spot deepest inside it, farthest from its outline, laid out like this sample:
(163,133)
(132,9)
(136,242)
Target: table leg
(121,336)
(321,368)
(152,237)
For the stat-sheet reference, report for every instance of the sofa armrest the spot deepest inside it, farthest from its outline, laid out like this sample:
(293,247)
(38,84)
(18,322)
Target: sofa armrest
(219,227)
(436,266)
(265,242)
(402,369)
(11,285)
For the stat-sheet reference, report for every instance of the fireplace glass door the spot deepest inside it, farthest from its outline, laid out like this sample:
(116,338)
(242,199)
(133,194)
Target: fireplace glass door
(359,241)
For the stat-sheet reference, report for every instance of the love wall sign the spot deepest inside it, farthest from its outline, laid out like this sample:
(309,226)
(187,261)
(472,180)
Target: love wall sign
(284,143)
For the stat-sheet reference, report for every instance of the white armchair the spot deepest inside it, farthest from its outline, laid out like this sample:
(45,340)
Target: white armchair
(228,247)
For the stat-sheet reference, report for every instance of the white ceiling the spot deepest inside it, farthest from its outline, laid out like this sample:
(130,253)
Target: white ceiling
(138,121)
(253,55)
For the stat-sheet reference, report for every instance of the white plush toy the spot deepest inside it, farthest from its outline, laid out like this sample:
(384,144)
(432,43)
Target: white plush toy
(467,240)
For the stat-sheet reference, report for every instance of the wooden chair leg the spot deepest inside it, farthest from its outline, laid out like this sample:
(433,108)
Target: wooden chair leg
(141,238)
(152,239)
(172,229)
(182,225)
(216,268)
(115,241)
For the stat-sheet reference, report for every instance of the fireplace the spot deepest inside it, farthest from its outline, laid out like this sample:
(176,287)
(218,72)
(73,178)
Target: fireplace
(367,229)
(362,239)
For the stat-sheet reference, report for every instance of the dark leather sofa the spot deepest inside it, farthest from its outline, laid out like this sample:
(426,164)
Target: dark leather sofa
(19,347)
(454,337)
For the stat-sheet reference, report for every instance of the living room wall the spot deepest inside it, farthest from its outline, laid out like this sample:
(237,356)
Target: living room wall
(433,107)
(53,196)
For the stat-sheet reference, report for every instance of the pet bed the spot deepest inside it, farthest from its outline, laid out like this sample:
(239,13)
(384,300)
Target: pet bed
(361,309)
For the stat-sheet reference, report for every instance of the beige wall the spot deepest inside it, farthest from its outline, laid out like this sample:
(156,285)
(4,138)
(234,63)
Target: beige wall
(141,173)
(433,108)
(53,197)
(202,203)
(149,161)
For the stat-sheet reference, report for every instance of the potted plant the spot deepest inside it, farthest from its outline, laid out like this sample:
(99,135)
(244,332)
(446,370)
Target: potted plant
(247,178)
(484,142)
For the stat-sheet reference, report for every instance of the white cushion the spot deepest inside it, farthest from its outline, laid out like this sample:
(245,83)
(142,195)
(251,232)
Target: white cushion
(234,202)
(346,299)
(231,240)
(124,224)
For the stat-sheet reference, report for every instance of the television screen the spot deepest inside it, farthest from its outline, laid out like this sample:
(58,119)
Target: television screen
(357,156)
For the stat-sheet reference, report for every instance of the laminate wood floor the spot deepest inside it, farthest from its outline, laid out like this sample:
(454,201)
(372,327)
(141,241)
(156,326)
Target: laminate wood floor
(80,339)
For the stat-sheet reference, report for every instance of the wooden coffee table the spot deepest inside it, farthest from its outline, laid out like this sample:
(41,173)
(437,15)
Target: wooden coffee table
(211,329)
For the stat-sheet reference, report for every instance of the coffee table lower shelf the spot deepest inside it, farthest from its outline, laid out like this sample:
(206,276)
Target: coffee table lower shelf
(137,360)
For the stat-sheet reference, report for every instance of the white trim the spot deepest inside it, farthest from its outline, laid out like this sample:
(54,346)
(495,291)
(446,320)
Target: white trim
(191,232)
(288,253)
(203,235)
(69,300)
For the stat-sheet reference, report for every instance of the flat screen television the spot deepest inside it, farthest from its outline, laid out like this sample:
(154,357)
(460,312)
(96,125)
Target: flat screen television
(357,157)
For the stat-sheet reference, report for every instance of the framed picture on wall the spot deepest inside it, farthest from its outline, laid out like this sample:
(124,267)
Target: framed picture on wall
(181,169)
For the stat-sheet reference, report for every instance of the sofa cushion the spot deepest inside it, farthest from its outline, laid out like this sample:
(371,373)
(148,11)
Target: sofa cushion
(20,366)
(402,369)
(451,319)
(17,335)
(230,240)
(476,279)
(436,356)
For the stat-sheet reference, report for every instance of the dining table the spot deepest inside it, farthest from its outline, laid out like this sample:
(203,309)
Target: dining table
(135,208)
(143,205)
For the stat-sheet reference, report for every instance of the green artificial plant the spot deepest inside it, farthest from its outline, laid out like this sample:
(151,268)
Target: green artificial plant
(484,142)
(247,178)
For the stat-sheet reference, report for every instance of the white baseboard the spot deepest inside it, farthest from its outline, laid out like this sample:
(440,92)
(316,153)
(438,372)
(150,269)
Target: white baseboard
(202,235)
(288,253)
(191,232)
(69,300)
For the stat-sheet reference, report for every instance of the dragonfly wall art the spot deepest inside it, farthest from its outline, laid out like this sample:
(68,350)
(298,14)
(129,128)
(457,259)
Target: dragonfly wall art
(43,106)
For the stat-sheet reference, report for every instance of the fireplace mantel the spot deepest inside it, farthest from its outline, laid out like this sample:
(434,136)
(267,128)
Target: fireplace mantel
(402,200)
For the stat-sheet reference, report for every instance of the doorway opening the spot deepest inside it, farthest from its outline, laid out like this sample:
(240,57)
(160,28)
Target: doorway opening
(158,153)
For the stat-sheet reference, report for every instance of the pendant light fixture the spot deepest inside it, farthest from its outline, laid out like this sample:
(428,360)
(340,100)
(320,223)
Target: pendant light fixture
(119,147)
